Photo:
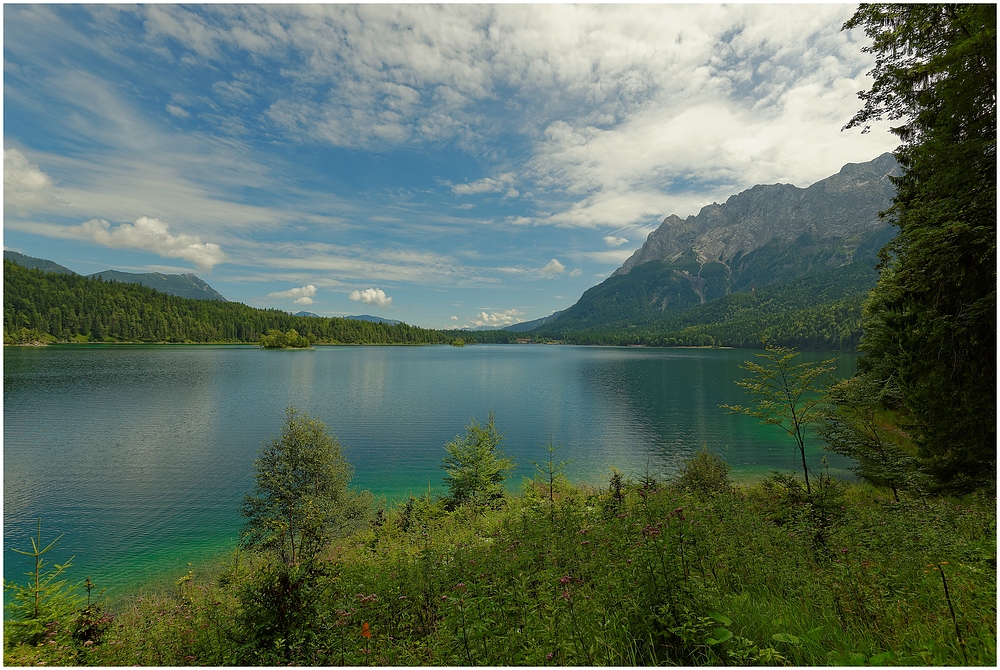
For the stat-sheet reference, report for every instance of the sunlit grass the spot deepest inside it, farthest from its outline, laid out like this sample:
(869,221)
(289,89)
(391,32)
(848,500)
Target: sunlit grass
(752,575)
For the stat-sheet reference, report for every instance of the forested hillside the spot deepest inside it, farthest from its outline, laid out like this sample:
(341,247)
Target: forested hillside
(820,311)
(60,307)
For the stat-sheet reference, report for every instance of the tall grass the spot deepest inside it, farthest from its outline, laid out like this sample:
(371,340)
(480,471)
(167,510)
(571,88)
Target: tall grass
(693,572)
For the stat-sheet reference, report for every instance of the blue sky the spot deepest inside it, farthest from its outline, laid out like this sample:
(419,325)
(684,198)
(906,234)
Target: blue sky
(449,166)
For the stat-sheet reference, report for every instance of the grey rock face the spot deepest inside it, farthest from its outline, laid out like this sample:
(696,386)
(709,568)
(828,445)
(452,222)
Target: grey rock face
(842,206)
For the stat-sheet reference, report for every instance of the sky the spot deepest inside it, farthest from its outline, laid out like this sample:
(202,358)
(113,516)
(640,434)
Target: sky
(447,166)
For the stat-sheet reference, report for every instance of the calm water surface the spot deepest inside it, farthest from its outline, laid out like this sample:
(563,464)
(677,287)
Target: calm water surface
(141,454)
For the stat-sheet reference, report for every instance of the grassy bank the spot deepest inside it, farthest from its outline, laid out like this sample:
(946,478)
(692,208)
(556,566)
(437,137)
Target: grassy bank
(695,571)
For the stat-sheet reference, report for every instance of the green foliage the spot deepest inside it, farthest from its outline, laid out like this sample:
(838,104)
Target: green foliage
(71,308)
(45,602)
(551,472)
(705,472)
(673,577)
(302,497)
(275,339)
(930,324)
(818,311)
(27,336)
(476,466)
(854,428)
(786,394)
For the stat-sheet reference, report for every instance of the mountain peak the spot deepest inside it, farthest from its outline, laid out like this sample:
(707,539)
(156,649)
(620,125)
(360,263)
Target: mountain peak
(839,206)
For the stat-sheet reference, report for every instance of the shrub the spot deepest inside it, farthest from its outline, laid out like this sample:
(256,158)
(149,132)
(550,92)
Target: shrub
(704,472)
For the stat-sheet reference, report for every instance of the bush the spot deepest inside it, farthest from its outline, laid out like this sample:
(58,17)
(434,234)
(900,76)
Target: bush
(704,472)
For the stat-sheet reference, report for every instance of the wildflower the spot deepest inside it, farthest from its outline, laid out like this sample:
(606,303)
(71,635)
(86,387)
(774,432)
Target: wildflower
(548,656)
(566,595)
(365,630)
(460,586)
(843,550)
(565,579)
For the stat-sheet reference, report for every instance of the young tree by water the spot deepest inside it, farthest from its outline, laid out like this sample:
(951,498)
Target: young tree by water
(302,496)
(854,428)
(476,465)
(786,394)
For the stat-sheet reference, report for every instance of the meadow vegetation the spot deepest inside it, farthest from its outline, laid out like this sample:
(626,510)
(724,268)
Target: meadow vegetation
(694,570)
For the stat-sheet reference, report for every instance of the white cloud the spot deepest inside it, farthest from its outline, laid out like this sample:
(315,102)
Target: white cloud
(178,111)
(502,318)
(553,267)
(302,294)
(151,235)
(614,241)
(25,186)
(453,317)
(371,296)
(488,185)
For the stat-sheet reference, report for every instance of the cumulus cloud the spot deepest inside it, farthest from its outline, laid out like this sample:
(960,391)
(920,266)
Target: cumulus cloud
(152,235)
(553,267)
(498,319)
(302,295)
(614,241)
(371,296)
(24,185)
(453,317)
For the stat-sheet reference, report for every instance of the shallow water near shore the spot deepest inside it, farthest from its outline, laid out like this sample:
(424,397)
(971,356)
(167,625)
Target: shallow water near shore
(141,454)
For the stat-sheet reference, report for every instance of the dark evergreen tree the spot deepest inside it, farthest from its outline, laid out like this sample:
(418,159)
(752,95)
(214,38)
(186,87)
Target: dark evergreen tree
(930,324)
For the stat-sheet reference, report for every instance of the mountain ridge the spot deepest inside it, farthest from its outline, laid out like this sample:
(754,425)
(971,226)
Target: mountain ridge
(768,235)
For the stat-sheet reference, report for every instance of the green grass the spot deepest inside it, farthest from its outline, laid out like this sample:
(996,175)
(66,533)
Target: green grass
(683,573)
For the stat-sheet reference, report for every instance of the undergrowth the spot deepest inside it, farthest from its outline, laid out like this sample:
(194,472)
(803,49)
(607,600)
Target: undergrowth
(696,571)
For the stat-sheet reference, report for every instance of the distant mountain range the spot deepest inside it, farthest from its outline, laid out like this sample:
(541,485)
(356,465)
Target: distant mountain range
(374,319)
(769,236)
(36,263)
(183,285)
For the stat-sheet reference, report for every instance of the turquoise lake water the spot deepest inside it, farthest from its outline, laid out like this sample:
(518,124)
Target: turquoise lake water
(141,454)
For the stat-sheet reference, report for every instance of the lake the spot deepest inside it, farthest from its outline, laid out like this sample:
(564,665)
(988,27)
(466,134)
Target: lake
(141,454)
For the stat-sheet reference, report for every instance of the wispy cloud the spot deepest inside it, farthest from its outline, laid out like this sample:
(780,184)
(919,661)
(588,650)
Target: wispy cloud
(502,183)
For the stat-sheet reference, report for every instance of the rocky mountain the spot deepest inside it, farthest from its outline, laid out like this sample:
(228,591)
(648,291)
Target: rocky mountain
(768,235)
(843,207)
(36,263)
(184,285)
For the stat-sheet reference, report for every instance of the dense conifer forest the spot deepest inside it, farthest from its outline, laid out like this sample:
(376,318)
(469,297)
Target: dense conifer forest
(71,308)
